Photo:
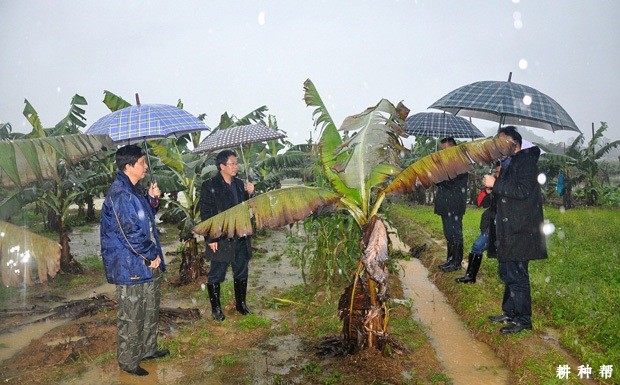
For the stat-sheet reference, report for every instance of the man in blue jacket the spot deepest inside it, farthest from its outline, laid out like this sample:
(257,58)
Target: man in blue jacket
(133,259)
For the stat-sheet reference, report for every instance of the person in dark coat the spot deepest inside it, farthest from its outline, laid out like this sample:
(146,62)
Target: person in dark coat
(518,237)
(218,194)
(474,260)
(450,203)
(133,260)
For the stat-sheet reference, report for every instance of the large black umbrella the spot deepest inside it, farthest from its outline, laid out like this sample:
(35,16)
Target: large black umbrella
(237,136)
(441,125)
(507,103)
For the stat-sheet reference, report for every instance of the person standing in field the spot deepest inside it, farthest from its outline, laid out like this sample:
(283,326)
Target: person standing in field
(218,194)
(133,260)
(450,203)
(518,237)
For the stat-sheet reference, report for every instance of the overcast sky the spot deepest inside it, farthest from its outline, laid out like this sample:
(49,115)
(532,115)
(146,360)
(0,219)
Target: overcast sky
(235,56)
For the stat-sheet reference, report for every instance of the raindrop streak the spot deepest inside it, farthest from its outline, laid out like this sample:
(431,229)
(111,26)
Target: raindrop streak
(527,100)
(548,228)
(523,64)
(261,18)
(518,24)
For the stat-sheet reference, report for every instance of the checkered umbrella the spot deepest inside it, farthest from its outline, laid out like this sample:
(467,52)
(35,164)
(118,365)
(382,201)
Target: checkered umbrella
(238,136)
(146,121)
(441,125)
(507,103)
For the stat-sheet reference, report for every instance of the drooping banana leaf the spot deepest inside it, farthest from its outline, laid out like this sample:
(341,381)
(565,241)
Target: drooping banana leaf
(33,118)
(447,164)
(27,160)
(75,118)
(18,248)
(271,210)
(329,142)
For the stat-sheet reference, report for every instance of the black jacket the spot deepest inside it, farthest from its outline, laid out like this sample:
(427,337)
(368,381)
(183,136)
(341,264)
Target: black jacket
(519,211)
(451,196)
(215,197)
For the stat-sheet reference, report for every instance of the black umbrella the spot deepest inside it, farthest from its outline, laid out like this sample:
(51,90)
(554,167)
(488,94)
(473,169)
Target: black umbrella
(507,103)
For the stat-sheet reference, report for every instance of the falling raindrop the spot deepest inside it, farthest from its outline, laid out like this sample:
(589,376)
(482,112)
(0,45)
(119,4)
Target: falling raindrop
(518,24)
(516,1)
(542,178)
(547,279)
(527,100)
(261,18)
(548,228)
(58,89)
(562,209)
(523,64)
(516,15)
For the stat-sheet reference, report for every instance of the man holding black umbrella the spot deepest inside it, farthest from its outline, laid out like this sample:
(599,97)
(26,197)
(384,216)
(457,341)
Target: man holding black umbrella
(450,203)
(518,237)
(218,194)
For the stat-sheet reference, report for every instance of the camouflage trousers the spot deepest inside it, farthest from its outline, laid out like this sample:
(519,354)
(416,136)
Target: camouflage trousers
(137,319)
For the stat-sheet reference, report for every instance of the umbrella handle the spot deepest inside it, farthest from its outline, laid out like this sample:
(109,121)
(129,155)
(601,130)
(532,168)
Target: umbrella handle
(148,159)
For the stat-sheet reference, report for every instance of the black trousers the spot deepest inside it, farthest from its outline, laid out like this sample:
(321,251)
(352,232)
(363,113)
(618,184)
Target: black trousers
(217,271)
(517,301)
(453,228)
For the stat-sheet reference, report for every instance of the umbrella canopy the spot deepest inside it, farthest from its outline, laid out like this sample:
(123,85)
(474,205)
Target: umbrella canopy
(507,103)
(238,136)
(146,121)
(441,125)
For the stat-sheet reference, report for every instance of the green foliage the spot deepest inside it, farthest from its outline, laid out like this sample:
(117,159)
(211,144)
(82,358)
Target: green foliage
(332,247)
(253,321)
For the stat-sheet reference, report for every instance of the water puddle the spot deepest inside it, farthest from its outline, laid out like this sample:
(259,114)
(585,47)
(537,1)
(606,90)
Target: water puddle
(465,359)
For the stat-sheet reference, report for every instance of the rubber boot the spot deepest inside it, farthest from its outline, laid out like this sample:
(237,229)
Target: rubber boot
(472,269)
(449,256)
(214,298)
(241,288)
(457,254)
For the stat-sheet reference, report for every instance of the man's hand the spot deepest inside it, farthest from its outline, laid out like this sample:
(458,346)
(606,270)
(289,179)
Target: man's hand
(155,263)
(249,187)
(213,246)
(154,190)
(488,181)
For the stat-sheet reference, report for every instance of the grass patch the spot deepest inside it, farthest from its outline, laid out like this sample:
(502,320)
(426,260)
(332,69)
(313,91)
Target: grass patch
(575,291)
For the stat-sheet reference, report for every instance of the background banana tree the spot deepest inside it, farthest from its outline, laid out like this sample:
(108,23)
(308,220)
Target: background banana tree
(361,169)
(25,163)
(74,183)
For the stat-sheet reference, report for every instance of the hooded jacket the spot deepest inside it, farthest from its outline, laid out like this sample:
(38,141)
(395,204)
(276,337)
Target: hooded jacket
(128,234)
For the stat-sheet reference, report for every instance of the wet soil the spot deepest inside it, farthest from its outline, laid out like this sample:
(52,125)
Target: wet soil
(83,351)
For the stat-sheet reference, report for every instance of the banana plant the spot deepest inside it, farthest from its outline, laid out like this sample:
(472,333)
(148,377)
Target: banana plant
(361,169)
(24,163)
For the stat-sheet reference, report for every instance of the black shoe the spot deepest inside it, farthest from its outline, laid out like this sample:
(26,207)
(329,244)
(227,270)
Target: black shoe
(500,318)
(158,354)
(515,327)
(139,371)
(454,266)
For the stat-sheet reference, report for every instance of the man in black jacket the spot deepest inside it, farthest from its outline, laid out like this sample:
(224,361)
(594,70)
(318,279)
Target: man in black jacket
(218,194)
(450,202)
(518,237)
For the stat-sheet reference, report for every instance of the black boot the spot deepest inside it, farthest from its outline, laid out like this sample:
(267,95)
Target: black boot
(214,297)
(241,288)
(472,269)
(457,258)
(449,256)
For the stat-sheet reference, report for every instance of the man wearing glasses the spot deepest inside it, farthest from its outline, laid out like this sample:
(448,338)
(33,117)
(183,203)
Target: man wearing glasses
(218,194)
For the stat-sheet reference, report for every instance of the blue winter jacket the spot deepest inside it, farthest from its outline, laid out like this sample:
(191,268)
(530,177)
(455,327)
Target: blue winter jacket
(124,251)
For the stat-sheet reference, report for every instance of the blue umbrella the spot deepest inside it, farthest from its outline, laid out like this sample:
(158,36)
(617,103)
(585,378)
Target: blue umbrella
(146,121)
(507,103)
(441,125)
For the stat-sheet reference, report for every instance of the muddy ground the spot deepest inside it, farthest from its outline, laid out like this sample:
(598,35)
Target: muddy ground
(276,345)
